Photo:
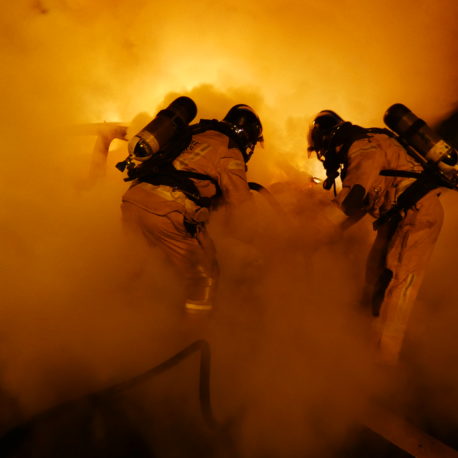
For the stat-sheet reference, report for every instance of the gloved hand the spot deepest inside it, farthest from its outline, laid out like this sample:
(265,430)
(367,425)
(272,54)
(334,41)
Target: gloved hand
(106,132)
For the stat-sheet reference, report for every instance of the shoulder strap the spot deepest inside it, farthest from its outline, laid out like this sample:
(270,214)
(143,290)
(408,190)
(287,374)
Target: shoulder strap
(399,173)
(219,126)
(381,130)
(211,124)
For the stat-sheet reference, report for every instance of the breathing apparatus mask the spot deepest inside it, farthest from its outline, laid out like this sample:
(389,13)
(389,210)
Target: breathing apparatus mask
(322,135)
(168,130)
(431,148)
(245,128)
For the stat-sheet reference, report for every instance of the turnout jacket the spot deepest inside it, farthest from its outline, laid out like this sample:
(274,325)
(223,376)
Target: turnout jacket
(365,159)
(209,154)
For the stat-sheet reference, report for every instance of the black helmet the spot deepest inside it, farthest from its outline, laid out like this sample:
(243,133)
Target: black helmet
(321,130)
(246,127)
(322,137)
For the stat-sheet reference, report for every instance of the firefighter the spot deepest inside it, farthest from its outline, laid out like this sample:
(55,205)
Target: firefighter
(171,206)
(404,242)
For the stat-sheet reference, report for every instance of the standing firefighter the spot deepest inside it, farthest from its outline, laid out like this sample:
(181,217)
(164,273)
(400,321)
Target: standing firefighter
(383,176)
(179,174)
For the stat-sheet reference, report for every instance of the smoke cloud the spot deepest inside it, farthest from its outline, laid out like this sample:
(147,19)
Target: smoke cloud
(80,309)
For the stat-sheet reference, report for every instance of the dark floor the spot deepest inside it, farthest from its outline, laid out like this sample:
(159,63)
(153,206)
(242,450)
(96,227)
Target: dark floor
(94,429)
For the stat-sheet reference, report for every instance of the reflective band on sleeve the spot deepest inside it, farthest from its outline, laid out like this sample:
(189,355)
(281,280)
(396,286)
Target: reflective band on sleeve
(193,307)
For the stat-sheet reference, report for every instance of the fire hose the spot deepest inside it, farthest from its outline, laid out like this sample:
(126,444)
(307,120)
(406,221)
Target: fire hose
(382,422)
(16,436)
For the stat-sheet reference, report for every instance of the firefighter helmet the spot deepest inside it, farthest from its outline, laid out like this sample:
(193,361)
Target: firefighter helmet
(321,139)
(321,130)
(246,127)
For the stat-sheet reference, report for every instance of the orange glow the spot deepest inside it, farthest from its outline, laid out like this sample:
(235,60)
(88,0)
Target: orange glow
(78,312)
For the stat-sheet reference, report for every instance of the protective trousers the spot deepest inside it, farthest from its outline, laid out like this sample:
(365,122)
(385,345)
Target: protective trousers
(188,247)
(395,269)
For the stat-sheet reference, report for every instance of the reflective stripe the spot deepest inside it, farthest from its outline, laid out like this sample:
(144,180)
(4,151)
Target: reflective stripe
(193,307)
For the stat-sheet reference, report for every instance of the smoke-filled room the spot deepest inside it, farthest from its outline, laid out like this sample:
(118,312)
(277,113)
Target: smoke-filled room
(228,229)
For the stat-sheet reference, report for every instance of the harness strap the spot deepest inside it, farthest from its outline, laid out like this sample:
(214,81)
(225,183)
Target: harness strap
(399,173)
(411,195)
(182,180)
(224,128)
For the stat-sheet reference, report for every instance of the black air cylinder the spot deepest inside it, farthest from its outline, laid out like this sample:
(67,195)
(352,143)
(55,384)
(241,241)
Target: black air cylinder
(419,135)
(167,123)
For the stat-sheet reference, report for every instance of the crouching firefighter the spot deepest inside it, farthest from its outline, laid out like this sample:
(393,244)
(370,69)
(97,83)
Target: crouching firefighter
(179,174)
(396,179)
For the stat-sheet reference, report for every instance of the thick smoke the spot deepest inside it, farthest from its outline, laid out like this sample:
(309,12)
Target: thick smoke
(80,310)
